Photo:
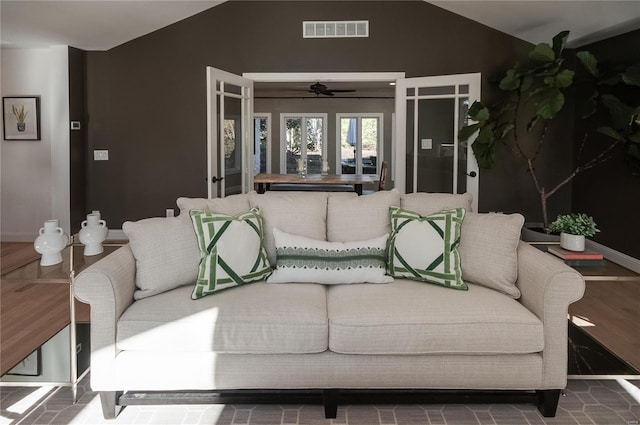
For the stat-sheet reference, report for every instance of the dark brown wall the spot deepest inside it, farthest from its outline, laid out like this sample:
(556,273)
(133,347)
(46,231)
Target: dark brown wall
(78,138)
(147,98)
(609,192)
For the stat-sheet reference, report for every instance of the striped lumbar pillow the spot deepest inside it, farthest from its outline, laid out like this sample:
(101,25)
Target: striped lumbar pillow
(426,248)
(302,259)
(231,250)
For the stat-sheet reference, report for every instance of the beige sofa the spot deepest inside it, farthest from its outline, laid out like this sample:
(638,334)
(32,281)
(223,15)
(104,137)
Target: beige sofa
(147,334)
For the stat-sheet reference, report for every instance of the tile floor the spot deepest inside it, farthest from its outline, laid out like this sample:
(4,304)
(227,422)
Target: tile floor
(593,402)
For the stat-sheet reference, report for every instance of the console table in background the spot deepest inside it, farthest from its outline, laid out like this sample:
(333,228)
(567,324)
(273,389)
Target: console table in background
(37,303)
(264,181)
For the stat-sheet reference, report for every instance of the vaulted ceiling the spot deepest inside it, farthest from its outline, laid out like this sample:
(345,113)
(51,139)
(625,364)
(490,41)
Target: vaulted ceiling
(102,25)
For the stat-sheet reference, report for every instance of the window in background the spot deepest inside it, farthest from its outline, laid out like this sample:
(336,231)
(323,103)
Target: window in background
(262,143)
(360,145)
(303,138)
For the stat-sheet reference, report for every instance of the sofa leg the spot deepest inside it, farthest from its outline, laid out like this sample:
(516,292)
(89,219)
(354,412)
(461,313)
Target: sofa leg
(109,401)
(330,401)
(548,402)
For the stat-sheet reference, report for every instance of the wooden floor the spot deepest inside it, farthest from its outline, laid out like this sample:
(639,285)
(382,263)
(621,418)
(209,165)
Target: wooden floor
(609,310)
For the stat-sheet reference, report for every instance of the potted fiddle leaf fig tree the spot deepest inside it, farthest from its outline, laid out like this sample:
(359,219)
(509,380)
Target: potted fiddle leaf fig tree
(533,94)
(573,228)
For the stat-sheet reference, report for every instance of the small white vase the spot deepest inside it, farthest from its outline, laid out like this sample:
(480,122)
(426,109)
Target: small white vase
(50,243)
(92,234)
(572,242)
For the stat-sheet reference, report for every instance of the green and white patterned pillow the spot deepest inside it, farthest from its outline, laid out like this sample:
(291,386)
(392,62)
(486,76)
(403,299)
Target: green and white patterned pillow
(231,249)
(425,248)
(302,259)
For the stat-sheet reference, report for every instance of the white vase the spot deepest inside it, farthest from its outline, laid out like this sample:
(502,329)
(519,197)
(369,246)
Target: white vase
(572,242)
(50,243)
(93,233)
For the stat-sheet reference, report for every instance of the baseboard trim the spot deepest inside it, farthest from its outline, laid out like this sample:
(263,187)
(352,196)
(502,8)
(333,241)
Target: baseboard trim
(19,237)
(617,257)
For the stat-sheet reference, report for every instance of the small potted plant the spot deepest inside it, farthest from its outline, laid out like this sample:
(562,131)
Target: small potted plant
(20,115)
(573,228)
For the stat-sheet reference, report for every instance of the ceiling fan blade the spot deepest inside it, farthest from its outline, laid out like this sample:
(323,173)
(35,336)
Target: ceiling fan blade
(342,90)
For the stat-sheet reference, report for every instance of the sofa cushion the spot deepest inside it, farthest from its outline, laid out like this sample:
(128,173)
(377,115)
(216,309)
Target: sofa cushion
(231,250)
(406,317)
(259,318)
(488,250)
(425,248)
(429,203)
(232,205)
(361,217)
(298,213)
(166,253)
(301,259)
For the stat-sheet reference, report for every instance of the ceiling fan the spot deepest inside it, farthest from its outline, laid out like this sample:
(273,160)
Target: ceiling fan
(319,88)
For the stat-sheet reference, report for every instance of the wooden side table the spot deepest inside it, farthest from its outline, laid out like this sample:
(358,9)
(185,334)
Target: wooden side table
(37,302)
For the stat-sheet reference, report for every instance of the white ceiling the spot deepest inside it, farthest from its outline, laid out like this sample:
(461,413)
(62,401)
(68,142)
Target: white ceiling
(89,25)
(104,24)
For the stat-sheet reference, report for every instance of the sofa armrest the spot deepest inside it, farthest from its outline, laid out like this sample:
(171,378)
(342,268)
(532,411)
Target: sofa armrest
(108,287)
(548,286)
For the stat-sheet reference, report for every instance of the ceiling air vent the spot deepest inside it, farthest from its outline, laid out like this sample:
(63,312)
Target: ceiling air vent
(335,29)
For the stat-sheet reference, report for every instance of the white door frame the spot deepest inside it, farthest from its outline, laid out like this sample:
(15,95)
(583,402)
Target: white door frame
(215,163)
(474,82)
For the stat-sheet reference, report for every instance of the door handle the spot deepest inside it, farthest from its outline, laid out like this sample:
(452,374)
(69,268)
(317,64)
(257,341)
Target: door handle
(215,179)
(472,174)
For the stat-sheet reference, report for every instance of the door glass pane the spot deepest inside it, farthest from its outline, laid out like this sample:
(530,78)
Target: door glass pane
(369,131)
(435,145)
(315,129)
(463,89)
(463,108)
(409,155)
(348,141)
(430,91)
(411,91)
(232,146)
(260,144)
(232,88)
(293,137)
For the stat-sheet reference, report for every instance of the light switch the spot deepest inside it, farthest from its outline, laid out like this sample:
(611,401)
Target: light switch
(100,155)
(427,143)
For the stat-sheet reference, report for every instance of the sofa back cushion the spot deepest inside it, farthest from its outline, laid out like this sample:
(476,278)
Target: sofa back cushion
(429,203)
(166,253)
(360,218)
(488,250)
(230,205)
(298,213)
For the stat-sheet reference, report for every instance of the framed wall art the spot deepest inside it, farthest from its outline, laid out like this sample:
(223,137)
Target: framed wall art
(21,117)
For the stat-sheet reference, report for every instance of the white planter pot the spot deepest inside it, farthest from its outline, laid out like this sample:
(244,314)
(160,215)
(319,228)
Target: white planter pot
(93,233)
(50,243)
(572,242)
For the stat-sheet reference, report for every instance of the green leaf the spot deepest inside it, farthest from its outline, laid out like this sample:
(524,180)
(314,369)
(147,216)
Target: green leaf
(550,104)
(589,107)
(631,76)
(559,41)
(485,154)
(620,113)
(635,138)
(610,132)
(527,82)
(511,81)
(467,131)
(542,53)
(589,61)
(478,112)
(485,136)
(564,78)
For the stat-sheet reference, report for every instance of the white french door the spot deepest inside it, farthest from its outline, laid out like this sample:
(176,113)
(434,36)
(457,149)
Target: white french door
(229,133)
(429,158)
